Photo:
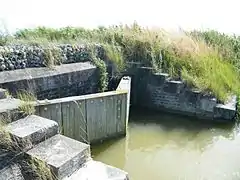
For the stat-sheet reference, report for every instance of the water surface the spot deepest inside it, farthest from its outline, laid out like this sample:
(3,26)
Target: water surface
(165,147)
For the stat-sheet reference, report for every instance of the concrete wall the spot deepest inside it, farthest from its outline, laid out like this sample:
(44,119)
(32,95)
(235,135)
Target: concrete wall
(90,118)
(62,81)
(125,84)
(157,91)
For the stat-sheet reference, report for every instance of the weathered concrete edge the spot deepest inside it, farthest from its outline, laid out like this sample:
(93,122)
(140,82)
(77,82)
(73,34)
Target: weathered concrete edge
(125,85)
(33,73)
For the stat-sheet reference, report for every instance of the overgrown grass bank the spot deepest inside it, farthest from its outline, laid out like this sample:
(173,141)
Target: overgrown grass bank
(202,59)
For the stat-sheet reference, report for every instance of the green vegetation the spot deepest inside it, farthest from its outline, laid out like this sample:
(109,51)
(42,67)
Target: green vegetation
(103,80)
(5,136)
(227,46)
(37,169)
(51,57)
(206,60)
(27,105)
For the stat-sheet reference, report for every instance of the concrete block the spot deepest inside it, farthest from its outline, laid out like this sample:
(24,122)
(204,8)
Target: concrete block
(224,112)
(173,87)
(159,78)
(64,155)
(9,109)
(12,172)
(94,170)
(3,93)
(9,104)
(49,83)
(32,130)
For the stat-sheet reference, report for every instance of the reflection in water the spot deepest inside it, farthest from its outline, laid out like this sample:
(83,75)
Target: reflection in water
(163,147)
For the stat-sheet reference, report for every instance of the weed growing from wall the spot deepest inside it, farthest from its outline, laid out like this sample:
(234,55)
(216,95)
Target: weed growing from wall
(27,106)
(5,137)
(103,75)
(115,55)
(51,57)
(36,169)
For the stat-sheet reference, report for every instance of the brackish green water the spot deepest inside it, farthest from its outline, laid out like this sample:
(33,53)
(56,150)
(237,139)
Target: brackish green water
(165,147)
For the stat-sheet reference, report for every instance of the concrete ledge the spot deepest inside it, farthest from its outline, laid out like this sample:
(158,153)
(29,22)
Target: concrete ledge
(32,130)
(62,154)
(9,109)
(226,111)
(94,170)
(33,73)
(9,104)
(50,83)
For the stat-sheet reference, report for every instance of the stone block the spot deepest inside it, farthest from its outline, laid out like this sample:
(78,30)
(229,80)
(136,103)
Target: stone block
(207,104)
(3,93)
(9,104)
(158,78)
(12,172)
(223,112)
(9,109)
(64,155)
(48,83)
(94,170)
(145,71)
(32,130)
(173,86)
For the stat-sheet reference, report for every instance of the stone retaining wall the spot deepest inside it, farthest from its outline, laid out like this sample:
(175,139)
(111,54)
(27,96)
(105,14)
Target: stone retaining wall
(62,81)
(157,91)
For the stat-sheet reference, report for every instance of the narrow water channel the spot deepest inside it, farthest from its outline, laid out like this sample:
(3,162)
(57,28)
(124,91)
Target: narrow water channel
(166,147)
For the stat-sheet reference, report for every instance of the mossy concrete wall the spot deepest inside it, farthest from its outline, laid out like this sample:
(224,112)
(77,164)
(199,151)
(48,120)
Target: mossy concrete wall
(90,118)
(45,83)
(157,91)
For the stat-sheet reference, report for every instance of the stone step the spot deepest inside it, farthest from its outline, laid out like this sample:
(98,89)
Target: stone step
(3,93)
(64,155)
(94,170)
(9,109)
(32,130)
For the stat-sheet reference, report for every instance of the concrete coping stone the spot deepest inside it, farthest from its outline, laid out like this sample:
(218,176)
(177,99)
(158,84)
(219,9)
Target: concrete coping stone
(230,104)
(124,83)
(93,170)
(64,155)
(34,129)
(32,73)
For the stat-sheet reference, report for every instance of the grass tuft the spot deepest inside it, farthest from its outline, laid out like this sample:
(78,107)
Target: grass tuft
(27,106)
